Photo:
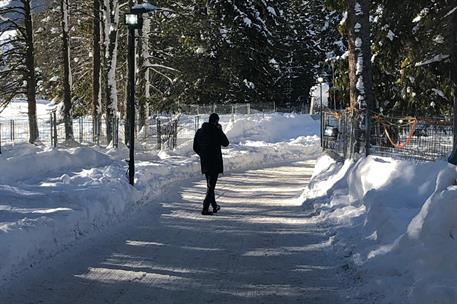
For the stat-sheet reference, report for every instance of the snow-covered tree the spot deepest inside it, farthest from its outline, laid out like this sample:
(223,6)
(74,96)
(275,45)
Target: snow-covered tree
(412,41)
(96,61)
(309,38)
(111,21)
(67,77)
(143,70)
(360,72)
(452,15)
(17,58)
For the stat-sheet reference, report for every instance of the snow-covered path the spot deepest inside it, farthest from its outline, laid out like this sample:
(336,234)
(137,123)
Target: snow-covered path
(259,249)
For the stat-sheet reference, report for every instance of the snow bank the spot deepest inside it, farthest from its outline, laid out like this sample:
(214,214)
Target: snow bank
(51,198)
(48,163)
(395,221)
(18,109)
(271,128)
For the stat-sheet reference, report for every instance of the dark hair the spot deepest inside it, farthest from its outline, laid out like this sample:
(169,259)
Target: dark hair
(214,118)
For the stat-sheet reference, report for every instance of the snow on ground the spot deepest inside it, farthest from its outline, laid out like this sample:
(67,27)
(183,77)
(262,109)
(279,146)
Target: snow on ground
(260,248)
(51,198)
(395,222)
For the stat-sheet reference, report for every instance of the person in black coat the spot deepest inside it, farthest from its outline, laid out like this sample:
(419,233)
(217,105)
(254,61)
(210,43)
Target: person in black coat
(207,144)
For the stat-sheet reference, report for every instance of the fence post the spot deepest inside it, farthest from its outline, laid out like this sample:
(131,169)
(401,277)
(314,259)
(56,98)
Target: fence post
(81,131)
(197,122)
(322,128)
(98,127)
(94,131)
(274,106)
(117,132)
(97,130)
(159,135)
(12,131)
(454,123)
(145,129)
(249,109)
(52,130)
(214,108)
(113,131)
(175,133)
(55,128)
(367,133)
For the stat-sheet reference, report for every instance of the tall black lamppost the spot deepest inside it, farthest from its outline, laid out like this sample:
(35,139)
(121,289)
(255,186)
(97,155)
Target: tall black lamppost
(134,21)
(321,80)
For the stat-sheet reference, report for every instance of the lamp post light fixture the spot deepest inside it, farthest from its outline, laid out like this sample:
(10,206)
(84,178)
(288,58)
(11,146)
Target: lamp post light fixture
(321,80)
(134,21)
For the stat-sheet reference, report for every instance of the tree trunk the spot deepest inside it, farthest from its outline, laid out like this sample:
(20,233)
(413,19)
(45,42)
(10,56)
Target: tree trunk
(360,71)
(111,11)
(453,52)
(30,77)
(127,116)
(96,79)
(68,81)
(143,75)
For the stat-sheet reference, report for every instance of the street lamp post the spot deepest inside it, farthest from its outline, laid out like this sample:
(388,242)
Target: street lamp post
(321,80)
(134,21)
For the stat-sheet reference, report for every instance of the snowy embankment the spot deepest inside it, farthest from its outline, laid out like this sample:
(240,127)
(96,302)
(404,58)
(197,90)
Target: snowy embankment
(395,222)
(51,198)
(18,109)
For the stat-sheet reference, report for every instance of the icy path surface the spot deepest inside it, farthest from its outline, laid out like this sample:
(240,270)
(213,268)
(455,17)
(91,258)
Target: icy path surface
(260,248)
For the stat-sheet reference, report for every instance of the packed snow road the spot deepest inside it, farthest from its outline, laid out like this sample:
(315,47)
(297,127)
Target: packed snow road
(260,248)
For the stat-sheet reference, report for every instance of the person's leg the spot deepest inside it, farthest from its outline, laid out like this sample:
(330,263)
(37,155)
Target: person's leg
(213,182)
(209,193)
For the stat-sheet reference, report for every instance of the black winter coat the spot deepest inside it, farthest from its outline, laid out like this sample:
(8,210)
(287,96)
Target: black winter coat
(207,144)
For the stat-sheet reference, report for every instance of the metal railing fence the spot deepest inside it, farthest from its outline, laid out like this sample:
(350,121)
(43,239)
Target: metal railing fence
(417,138)
(161,130)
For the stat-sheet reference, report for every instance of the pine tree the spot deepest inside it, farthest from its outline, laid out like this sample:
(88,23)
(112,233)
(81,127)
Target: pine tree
(17,63)
(68,80)
(308,40)
(96,62)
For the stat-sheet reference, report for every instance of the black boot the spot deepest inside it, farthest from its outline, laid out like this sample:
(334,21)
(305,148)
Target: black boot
(207,212)
(216,209)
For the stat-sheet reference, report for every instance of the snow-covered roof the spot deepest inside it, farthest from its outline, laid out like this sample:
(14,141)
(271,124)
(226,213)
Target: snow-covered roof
(144,8)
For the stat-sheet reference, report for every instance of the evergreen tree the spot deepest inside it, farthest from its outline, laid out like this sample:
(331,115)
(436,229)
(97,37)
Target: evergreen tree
(68,80)
(17,63)
(96,61)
